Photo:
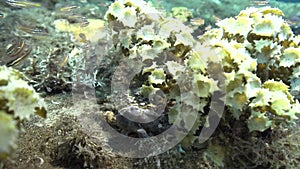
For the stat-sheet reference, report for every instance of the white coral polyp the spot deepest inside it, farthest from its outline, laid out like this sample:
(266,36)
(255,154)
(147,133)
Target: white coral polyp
(22,99)
(240,25)
(128,17)
(269,26)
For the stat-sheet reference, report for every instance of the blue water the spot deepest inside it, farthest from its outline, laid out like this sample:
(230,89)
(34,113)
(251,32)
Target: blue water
(288,1)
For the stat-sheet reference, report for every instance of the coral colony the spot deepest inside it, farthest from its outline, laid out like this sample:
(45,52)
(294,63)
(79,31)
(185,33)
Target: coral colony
(252,58)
